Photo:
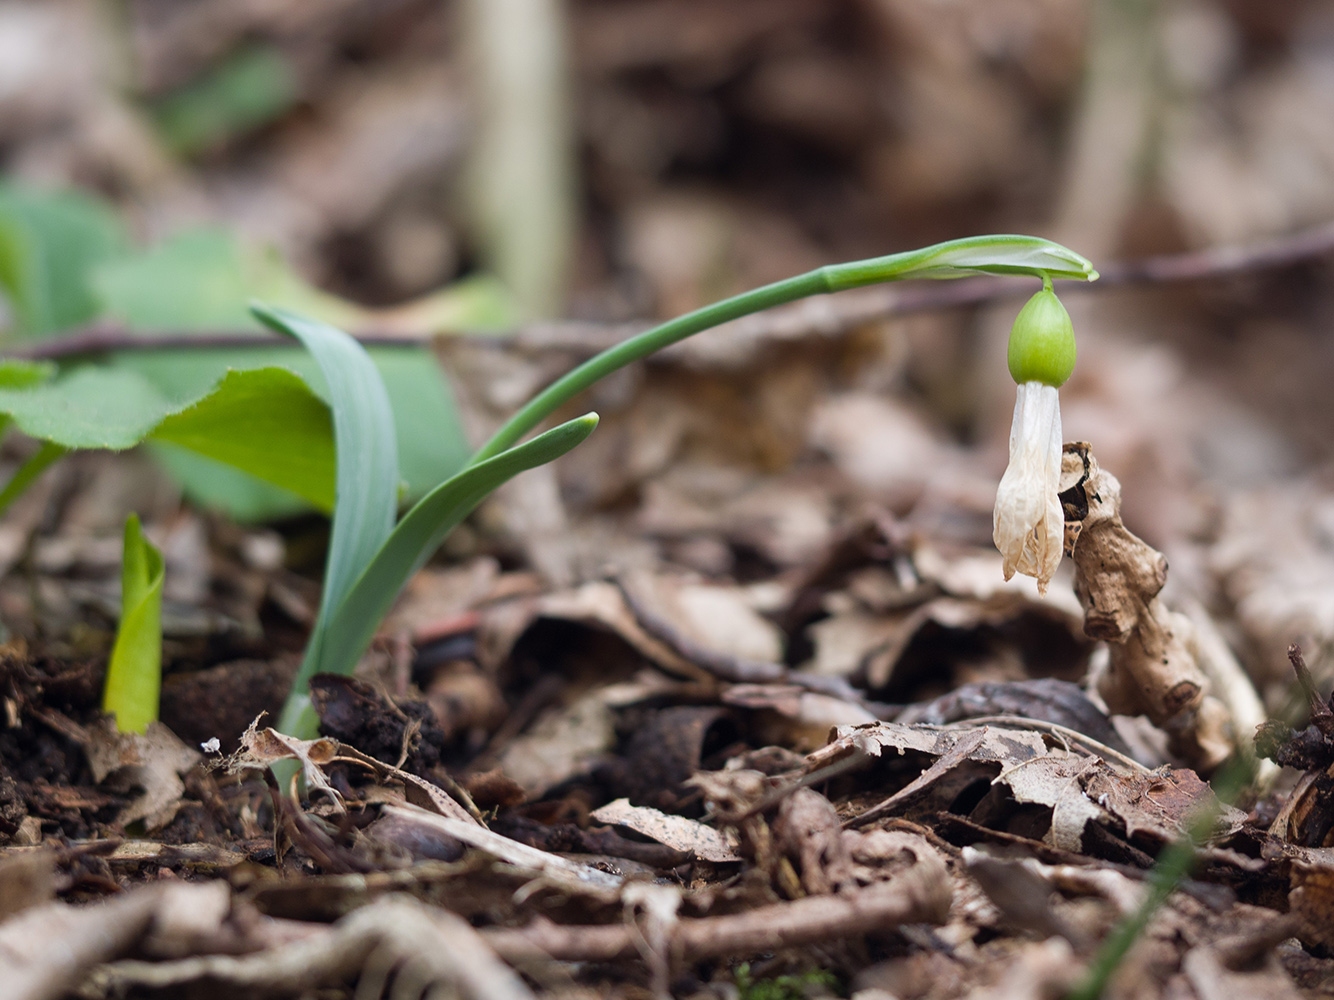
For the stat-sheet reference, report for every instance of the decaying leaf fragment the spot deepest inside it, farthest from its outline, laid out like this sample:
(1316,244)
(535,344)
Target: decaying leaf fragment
(152,761)
(1153,667)
(262,747)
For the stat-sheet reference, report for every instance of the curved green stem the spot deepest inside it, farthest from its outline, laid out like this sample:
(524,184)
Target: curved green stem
(956,258)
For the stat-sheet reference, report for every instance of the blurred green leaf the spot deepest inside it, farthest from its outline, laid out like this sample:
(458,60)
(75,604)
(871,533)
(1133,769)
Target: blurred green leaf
(252,87)
(50,242)
(88,408)
(18,374)
(210,484)
(432,445)
(134,677)
(193,281)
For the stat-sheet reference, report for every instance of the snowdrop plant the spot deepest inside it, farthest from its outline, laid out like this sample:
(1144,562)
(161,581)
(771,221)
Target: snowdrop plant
(372,552)
(1028,525)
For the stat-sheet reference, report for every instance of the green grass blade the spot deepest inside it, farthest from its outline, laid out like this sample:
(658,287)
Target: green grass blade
(134,677)
(417,536)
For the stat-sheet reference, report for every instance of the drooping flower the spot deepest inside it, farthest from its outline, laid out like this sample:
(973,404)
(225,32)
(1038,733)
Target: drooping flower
(1028,526)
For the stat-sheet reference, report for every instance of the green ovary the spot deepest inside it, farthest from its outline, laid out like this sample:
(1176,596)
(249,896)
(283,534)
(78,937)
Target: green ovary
(1042,341)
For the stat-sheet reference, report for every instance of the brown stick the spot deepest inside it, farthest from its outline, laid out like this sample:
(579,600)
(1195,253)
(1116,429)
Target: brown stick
(847,309)
(913,898)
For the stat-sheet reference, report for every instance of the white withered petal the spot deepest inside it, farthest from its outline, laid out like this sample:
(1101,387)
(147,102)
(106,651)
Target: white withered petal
(1029,528)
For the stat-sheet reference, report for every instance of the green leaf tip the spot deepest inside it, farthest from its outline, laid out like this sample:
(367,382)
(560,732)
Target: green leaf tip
(134,676)
(1042,340)
(1006,254)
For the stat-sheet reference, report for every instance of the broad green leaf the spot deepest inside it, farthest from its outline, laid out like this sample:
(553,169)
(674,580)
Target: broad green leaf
(432,445)
(49,244)
(266,422)
(366,479)
(88,408)
(134,677)
(249,89)
(348,633)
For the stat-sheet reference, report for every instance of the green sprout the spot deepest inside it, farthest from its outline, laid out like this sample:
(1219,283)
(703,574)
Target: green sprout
(371,556)
(134,678)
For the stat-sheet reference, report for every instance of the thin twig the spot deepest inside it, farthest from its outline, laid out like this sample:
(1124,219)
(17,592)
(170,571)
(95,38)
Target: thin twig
(840,312)
(1321,715)
(915,897)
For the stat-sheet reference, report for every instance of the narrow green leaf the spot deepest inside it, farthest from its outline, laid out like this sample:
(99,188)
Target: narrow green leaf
(266,422)
(366,489)
(349,631)
(28,472)
(134,677)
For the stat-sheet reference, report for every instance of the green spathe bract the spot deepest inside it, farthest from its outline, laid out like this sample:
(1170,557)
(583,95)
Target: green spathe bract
(369,563)
(1042,341)
(134,677)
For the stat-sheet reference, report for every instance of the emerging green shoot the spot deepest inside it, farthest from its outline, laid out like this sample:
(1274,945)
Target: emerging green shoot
(134,677)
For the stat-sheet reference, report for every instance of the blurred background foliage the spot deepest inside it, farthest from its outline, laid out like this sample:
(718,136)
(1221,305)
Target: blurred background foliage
(428,166)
